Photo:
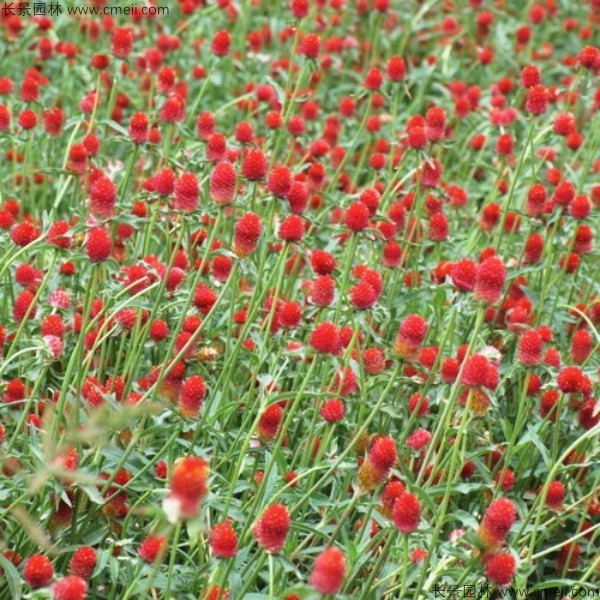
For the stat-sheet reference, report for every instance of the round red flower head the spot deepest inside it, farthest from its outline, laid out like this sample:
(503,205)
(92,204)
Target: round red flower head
(223,540)
(328,571)
(406,513)
(497,521)
(187,487)
(37,571)
(69,588)
(271,528)
(500,568)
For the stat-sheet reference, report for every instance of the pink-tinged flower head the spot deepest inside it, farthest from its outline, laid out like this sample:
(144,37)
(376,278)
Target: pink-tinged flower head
(536,100)
(222,183)
(173,109)
(53,120)
(279,181)
(69,588)
(299,8)
(103,193)
(246,234)
(186,191)
(418,439)
(138,128)
(529,348)
(187,487)
(254,165)
(271,528)
(406,513)
(581,346)
(490,280)
(382,454)
(328,571)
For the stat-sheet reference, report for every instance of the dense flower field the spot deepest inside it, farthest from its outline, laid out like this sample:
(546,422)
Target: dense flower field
(300,299)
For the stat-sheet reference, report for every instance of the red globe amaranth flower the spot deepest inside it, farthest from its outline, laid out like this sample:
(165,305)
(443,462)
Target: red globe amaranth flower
(464,274)
(220,43)
(187,487)
(254,165)
(357,217)
(271,528)
(291,228)
(325,338)
(411,334)
(310,45)
(406,513)
(570,380)
(279,181)
(53,120)
(98,244)
(223,540)
(23,234)
(152,548)
(581,346)
(138,128)
(497,521)
(588,57)
(529,348)
(192,393)
(37,571)
(328,571)
(122,42)
(395,69)
(83,562)
(246,233)
(500,568)
(332,410)
(536,100)
(69,588)
(103,194)
(490,280)
(299,8)
(222,183)
(555,494)
(185,193)
(382,454)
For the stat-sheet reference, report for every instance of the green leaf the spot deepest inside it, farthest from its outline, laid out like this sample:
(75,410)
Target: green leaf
(12,577)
